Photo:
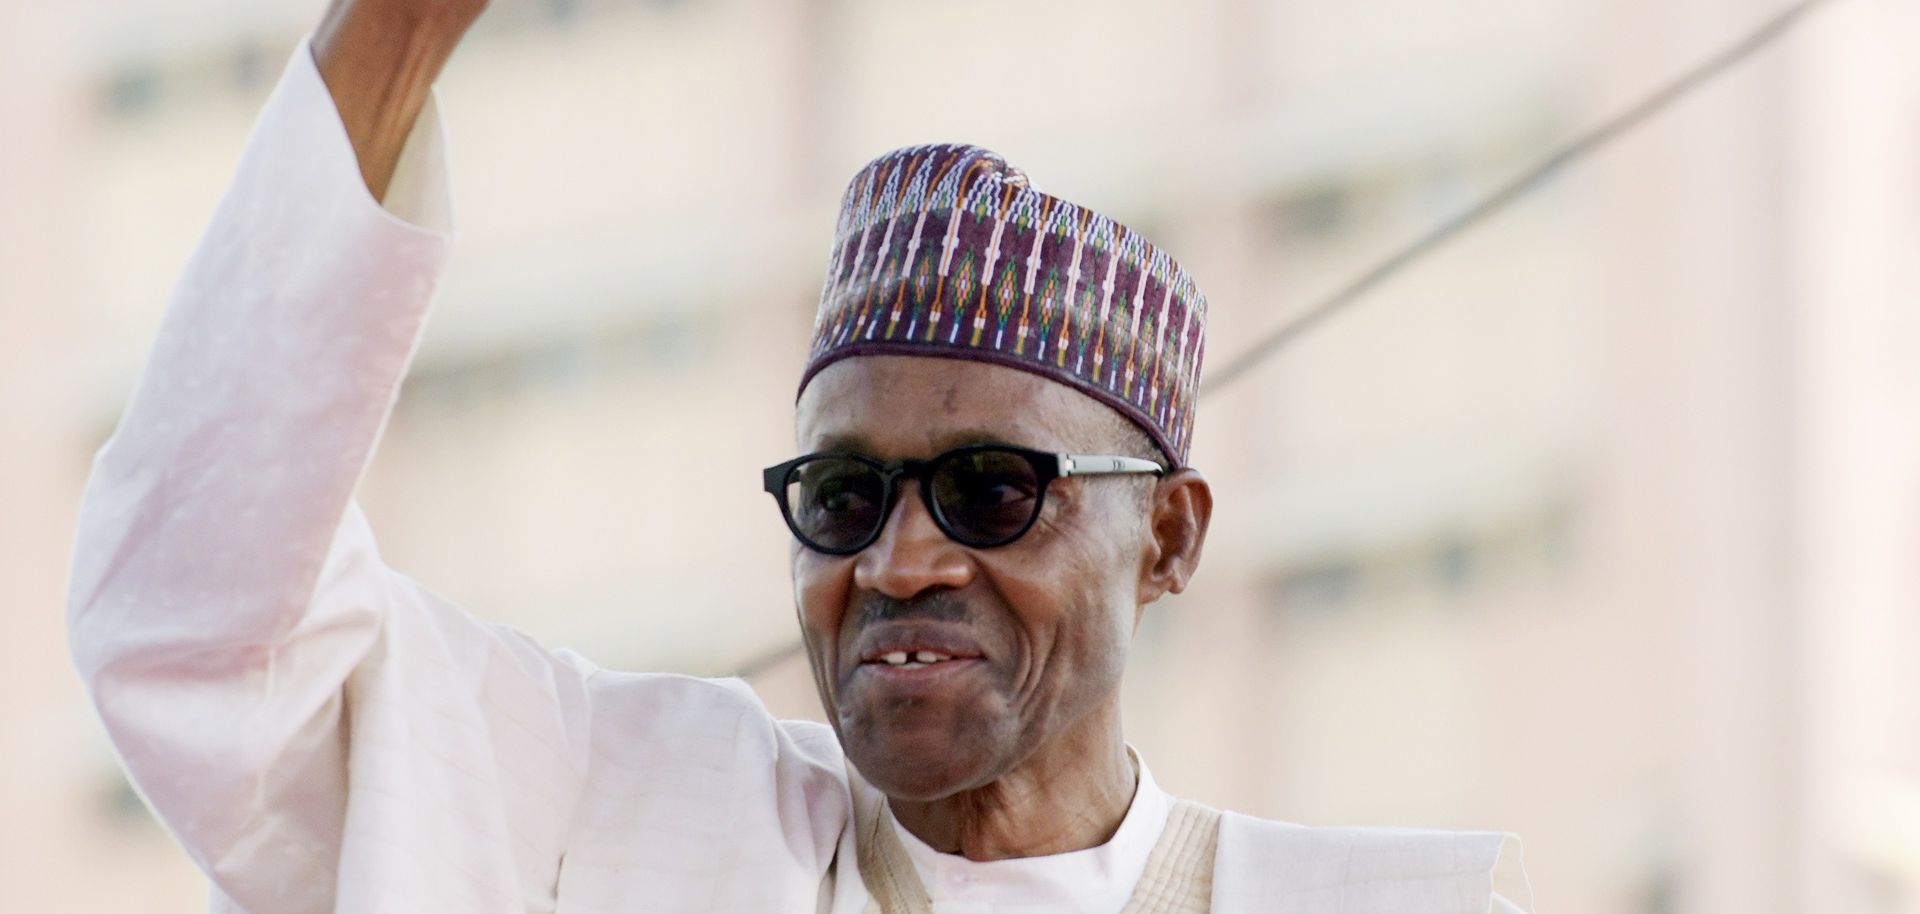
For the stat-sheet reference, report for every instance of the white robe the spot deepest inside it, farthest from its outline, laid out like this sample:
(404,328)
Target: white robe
(324,734)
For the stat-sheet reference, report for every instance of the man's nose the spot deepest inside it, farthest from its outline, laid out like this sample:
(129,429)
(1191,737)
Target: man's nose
(912,556)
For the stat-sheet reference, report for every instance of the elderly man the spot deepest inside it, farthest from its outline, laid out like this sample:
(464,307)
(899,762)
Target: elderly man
(994,422)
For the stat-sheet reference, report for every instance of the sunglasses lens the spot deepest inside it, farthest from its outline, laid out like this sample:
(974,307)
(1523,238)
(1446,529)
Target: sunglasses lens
(986,497)
(835,502)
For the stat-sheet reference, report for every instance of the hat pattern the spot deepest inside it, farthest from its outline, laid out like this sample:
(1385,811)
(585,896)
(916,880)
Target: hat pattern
(948,251)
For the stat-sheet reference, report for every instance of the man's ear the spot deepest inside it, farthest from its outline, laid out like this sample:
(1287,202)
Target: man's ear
(1177,529)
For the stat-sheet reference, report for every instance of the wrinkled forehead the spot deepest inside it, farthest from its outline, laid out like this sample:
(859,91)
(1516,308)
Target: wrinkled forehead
(915,406)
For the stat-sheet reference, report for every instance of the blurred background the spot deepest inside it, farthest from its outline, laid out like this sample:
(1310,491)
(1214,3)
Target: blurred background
(1600,525)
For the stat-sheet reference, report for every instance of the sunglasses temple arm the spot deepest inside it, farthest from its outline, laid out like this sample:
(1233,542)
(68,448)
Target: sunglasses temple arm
(1101,465)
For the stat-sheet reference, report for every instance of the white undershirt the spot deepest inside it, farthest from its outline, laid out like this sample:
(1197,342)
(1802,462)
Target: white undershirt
(1097,880)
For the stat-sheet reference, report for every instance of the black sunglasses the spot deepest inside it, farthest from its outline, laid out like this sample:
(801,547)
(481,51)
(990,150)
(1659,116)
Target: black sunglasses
(981,496)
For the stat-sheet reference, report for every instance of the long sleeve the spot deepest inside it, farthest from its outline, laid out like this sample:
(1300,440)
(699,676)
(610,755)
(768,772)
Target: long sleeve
(303,719)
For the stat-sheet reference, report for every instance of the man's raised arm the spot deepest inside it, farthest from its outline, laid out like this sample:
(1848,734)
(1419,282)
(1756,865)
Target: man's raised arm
(228,611)
(379,59)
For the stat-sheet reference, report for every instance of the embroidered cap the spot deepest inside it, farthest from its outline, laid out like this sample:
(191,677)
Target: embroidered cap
(948,251)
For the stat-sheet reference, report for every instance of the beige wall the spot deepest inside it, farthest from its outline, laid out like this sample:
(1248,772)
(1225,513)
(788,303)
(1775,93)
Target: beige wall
(1598,526)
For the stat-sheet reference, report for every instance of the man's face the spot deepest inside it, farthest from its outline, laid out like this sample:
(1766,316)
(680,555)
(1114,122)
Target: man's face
(1037,630)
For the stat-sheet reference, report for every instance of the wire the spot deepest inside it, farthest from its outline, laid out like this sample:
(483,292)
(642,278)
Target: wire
(1498,199)
(1504,195)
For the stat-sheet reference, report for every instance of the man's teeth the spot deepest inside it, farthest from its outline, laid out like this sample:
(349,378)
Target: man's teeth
(915,661)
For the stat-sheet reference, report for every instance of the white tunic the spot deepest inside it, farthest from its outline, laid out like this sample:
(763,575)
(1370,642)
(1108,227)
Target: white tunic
(323,734)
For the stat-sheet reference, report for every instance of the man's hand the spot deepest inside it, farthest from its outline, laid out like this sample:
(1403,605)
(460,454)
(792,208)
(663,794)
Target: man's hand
(379,59)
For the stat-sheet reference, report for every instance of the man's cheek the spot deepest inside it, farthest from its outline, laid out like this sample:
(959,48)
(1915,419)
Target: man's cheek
(819,592)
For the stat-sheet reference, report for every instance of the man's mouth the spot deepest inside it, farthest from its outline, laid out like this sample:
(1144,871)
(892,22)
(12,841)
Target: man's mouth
(917,669)
(908,647)
(912,661)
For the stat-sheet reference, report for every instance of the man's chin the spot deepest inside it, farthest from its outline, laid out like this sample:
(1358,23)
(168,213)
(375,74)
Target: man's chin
(920,770)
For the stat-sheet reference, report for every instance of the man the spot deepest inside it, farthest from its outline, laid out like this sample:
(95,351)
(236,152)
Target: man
(992,488)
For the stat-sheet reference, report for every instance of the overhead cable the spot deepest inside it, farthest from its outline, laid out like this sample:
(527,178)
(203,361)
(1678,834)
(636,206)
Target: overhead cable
(1503,196)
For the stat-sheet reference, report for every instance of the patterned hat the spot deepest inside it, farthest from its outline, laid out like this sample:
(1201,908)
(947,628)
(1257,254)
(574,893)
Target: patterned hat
(947,251)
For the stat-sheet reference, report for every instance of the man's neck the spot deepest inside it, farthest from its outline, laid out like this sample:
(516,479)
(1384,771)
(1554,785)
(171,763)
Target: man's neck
(1070,795)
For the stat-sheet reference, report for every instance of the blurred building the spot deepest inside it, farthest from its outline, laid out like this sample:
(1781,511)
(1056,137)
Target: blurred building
(1600,525)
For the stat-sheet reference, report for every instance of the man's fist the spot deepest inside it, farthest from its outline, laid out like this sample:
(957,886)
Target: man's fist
(379,59)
